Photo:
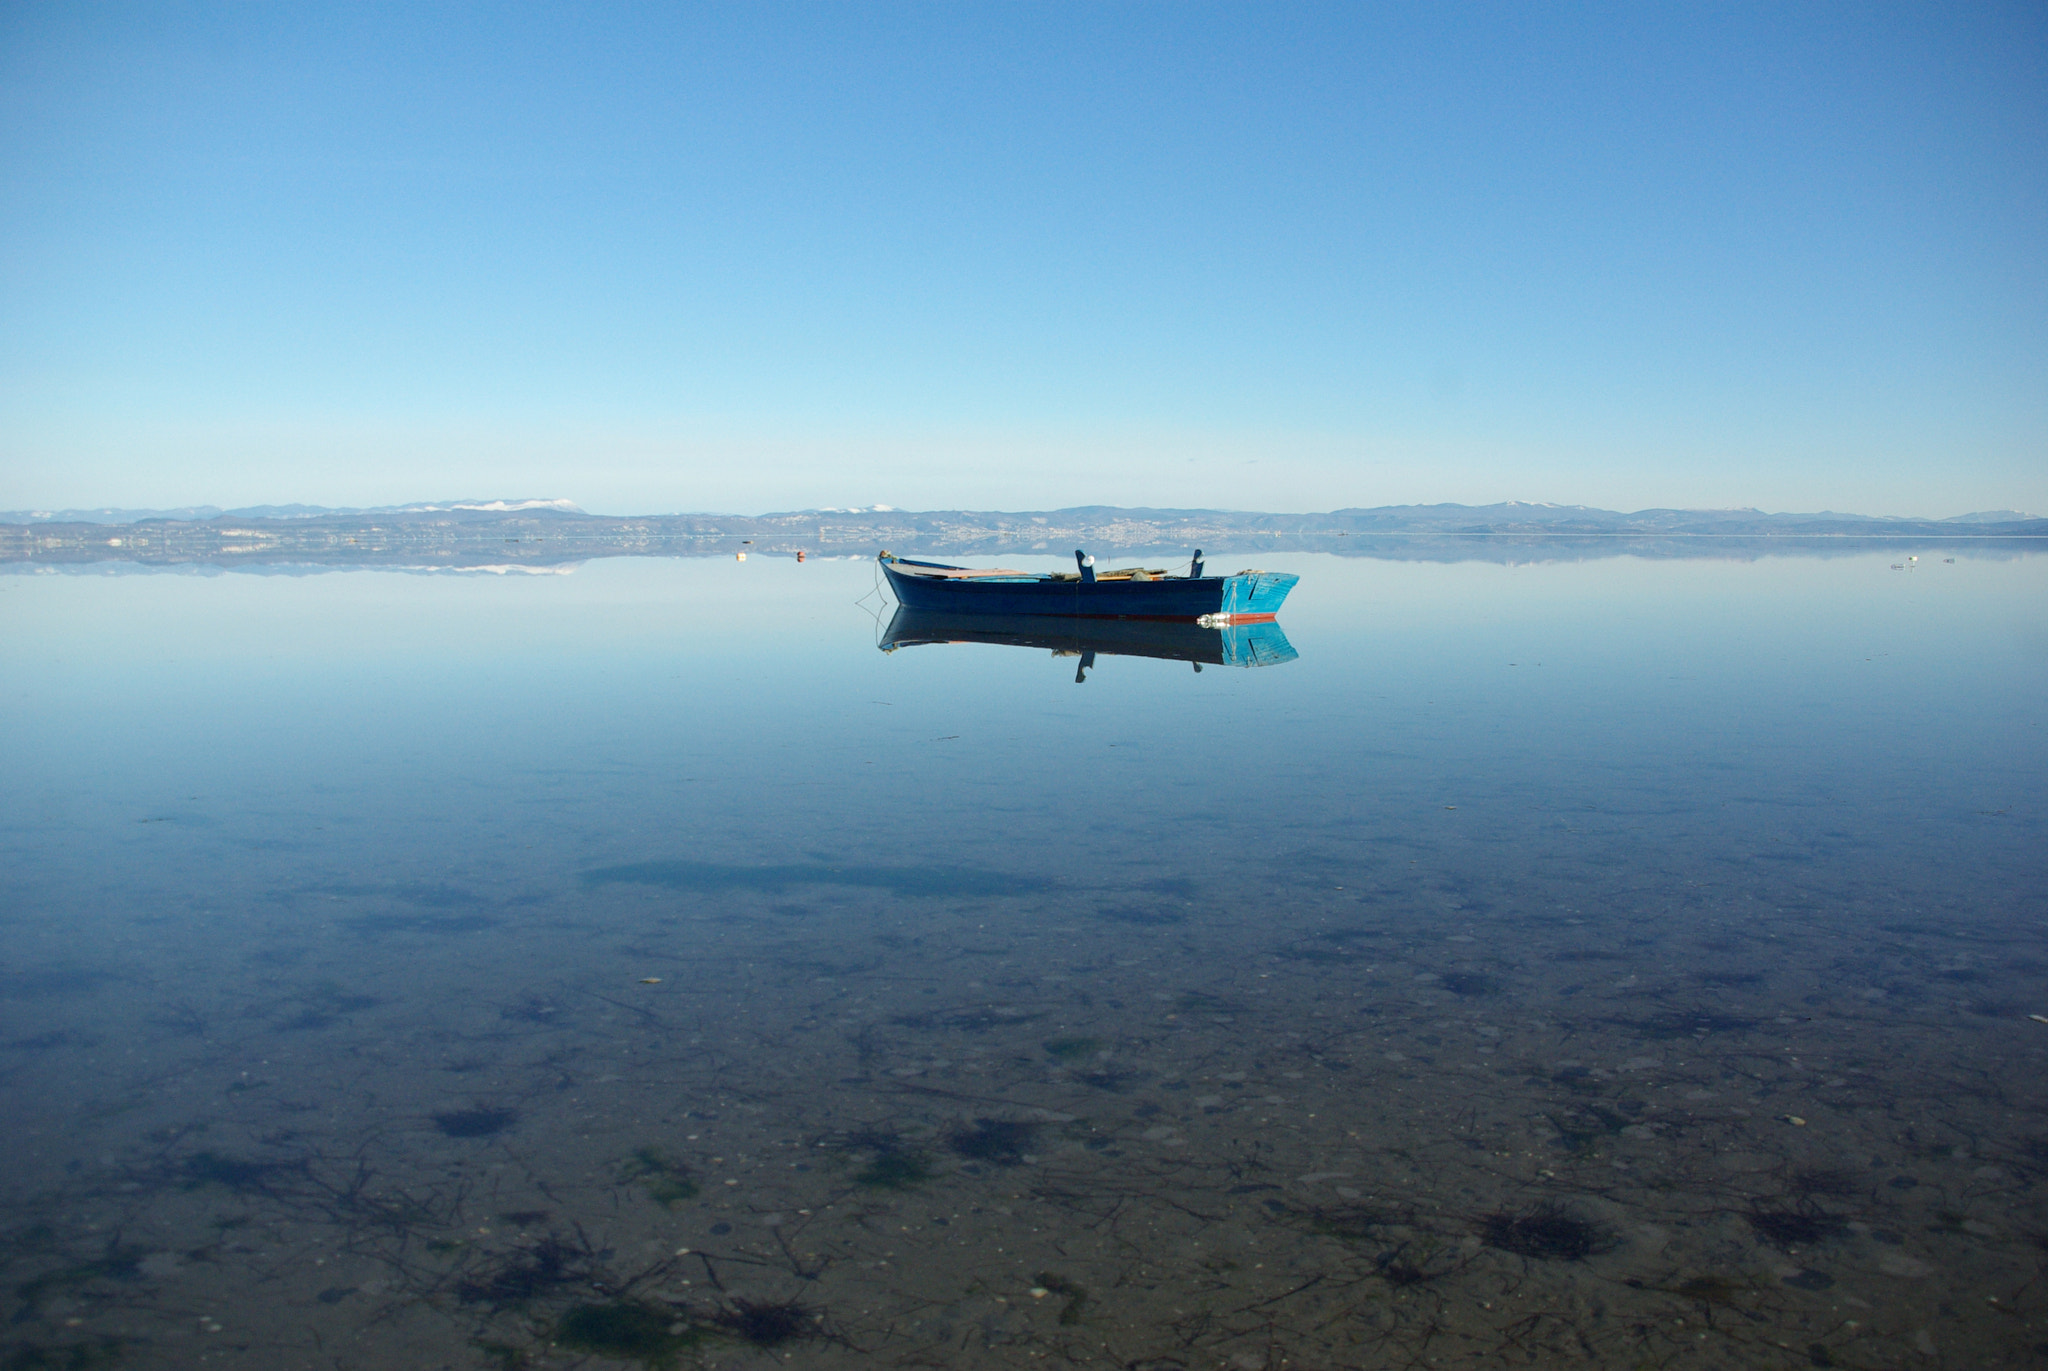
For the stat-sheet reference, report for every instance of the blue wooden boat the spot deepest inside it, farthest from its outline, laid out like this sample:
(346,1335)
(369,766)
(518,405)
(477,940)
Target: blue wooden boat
(1258,642)
(1128,593)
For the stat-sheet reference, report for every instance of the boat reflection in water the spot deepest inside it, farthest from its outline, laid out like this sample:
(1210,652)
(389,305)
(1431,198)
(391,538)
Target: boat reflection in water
(1243,644)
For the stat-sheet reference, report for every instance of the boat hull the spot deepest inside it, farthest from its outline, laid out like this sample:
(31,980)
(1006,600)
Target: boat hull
(1248,595)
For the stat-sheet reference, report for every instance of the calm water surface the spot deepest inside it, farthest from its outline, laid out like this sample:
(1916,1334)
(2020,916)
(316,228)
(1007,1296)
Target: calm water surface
(1622,963)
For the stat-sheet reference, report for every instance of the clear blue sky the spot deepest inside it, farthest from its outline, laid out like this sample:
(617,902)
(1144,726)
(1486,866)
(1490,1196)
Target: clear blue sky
(752,257)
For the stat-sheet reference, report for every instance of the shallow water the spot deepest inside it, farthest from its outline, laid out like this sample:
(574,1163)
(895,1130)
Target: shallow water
(1621,963)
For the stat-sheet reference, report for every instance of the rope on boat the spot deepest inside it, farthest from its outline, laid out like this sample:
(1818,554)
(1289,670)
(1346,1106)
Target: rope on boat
(879,595)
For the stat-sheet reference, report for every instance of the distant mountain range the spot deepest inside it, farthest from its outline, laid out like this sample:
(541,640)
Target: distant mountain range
(1381,518)
(533,533)
(196,512)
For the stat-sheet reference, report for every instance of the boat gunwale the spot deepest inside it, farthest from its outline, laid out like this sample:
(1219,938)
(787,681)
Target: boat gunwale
(926,570)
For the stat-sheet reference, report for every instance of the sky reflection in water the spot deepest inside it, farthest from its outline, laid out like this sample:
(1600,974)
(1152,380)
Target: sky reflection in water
(412,964)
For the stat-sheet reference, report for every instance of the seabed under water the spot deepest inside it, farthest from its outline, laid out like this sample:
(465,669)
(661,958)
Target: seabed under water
(1535,1078)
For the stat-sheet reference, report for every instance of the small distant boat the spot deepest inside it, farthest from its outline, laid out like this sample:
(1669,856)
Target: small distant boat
(1129,593)
(1258,642)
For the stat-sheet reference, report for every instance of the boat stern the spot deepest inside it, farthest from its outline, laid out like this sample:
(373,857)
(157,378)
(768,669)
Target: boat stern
(1254,594)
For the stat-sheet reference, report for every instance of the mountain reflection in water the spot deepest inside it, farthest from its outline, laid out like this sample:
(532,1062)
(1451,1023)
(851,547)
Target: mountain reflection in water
(1253,644)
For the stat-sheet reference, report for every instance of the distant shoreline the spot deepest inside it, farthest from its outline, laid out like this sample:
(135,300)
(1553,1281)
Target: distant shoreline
(536,534)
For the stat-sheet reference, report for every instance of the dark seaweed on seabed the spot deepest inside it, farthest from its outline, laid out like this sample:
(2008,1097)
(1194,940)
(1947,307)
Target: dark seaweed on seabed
(931,881)
(668,1182)
(895,1169)
(634,1330)
(1001,1141)
(1071,1049)
(1548,1233)
(1839,1181)
(1470,984)
(1115,1082)
(479,1122)
(894,1163)
(118,1261)
(1582,1127)
(768,1323)
(626,1330)
(239,1174)
(90,1354)
(1790,1228)
(347,1193)
(530,1273)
